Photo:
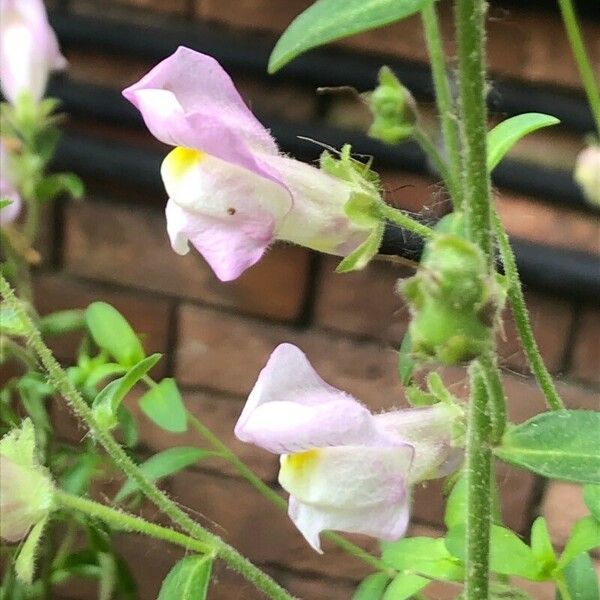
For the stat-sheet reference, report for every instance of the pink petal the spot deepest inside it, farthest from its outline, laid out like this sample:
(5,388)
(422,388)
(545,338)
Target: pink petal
(291,408)
(229,246)
(189,100)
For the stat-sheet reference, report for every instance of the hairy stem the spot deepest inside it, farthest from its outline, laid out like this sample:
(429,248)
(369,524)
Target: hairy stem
(479,489)
(496,395)
(58,377)
(123,521)
(470,35)
(257,483)
(519,309)
(400,218)
(443,97)
(586,72)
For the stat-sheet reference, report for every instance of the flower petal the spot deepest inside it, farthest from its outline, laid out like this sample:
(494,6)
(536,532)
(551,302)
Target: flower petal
(385,521)
(430,431)
(189,100)
(229,247)
(291,408)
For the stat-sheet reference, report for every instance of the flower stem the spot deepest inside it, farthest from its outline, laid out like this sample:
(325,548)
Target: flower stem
(470,35)
(257,483)
(58,377)
(496,395)
(586,72)
(519,309)
(479,489)
(443,96)
(123,521)
(400,218)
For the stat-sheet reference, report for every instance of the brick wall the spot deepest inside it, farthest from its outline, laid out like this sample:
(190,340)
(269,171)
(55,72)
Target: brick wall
(216,337)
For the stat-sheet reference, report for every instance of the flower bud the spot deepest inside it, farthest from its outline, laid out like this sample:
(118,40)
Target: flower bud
(393,109)
(587,173)
(26,489)
(453,301)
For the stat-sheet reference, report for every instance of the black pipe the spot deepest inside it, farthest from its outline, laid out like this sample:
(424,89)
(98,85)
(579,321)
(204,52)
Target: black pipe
(568,273)
(322,67)
(96,103)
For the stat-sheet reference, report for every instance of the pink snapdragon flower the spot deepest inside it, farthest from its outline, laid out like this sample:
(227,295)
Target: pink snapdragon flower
(28,49)
(11,211)
(344,468)
(231,192)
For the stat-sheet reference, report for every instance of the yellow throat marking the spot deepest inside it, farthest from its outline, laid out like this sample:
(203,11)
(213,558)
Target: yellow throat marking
(179,160)
(299,462)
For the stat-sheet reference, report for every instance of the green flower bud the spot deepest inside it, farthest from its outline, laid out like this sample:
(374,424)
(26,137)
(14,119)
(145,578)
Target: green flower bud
(587,173)
(26,488)
(393,109)
(453,302)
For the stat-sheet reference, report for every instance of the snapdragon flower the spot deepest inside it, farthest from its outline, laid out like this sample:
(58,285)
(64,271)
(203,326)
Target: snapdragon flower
(28,49)
(587,173)
(9,212)
(231,192)
(344,468)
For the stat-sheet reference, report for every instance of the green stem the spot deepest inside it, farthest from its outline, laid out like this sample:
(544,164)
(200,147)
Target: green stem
(586,72)
(479,489)
(496,395)
(443,96)
(123,521)
(563,588)
(437,159)
(58,377)
(403,220)
(470,35)
(257,483)
(17,351)
(521,316)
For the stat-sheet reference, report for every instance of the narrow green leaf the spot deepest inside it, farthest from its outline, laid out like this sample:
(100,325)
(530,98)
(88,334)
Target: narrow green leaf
(456,505)
(187,580)
(360,258)
(113,333)
(509,555)
(163,405)
(425,556)
(406,362)
(163,464)
(541,545)
(585,536)
(591,496)
(61,322)
(25,563)
(107,402)
(561,444)
(329,20)
(506,134)
(76,480)
(581,579)
(128,426)
(59,183)
(371,587)
(404,586)
(10,324)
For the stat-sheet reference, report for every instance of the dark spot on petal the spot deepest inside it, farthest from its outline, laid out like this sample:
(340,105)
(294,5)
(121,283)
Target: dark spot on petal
(231,211)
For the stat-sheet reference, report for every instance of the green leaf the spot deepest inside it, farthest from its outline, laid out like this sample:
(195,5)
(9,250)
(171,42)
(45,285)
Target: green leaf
(423,555)
(59,183)
(371,587)
(10,324)
(562,445)
(404,586)
(76,480)
(128,426)
(113,333)
(107,402)
(509,555)
(506,134)
(163,405)
(329,20)
(359,258)
(541,545)
(61,322)
(187,580)
(163,464)
(406,363)
(456,505)
(25,563)
(581,580)
(585,536)
(591,496)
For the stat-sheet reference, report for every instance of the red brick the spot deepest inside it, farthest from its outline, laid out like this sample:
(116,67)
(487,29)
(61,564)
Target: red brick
(586,355)
(100,235)
(147,315)
(551,321)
